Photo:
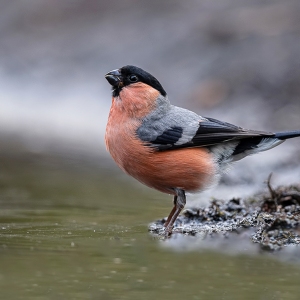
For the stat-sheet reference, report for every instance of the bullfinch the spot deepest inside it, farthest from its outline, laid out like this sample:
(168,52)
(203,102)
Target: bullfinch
(169,148)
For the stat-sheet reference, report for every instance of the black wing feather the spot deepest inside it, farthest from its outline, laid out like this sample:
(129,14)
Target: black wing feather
(169,136)
(210,132)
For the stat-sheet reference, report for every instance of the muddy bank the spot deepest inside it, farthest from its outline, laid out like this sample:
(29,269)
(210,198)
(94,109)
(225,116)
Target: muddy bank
(270,219)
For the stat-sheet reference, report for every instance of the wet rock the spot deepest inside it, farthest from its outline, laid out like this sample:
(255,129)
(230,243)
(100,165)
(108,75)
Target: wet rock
(272,218)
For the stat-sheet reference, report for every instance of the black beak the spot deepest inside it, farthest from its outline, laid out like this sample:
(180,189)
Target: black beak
(114,78)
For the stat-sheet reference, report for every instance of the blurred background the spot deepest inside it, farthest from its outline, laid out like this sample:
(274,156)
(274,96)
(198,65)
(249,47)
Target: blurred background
(238,61)
(234,60)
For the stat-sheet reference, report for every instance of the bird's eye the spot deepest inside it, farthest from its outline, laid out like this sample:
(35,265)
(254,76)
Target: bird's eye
(133,78)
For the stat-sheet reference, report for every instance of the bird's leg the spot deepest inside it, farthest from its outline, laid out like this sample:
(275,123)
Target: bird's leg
(179,203)
(172,212)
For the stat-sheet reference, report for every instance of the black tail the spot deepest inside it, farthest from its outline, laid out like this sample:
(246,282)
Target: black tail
(286,135)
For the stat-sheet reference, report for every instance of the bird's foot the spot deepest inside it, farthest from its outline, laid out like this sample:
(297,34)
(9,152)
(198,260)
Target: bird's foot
(168,230)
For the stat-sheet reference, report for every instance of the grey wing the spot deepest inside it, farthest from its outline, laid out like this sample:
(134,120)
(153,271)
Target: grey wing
(169,129)
(181,128)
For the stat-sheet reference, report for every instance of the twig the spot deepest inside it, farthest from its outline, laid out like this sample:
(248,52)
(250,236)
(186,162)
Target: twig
(272,191)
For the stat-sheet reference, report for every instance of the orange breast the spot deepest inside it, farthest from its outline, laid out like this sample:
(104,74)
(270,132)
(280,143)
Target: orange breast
(191,169)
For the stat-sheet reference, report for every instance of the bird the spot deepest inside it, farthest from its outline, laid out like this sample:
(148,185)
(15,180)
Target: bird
(169,148)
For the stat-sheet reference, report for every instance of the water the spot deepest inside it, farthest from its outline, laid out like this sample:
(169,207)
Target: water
(68,231)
